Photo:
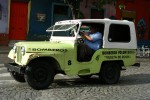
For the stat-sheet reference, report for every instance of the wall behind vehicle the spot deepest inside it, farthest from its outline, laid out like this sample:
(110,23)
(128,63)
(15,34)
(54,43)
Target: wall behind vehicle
(4,25)
(40,19)
(138,13)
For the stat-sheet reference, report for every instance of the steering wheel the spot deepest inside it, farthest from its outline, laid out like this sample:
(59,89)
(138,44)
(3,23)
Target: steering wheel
(80,40)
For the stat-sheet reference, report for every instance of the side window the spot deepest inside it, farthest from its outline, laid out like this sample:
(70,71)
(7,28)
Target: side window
(119,33)
(85,27)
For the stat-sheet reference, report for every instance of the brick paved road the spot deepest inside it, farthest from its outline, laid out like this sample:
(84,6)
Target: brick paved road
(134,84)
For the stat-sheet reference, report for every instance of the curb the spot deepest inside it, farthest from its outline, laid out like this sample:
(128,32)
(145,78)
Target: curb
(143,59)
(3,52)
(1,65)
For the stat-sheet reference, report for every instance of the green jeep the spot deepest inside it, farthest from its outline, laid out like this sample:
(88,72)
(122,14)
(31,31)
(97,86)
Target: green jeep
(37,63)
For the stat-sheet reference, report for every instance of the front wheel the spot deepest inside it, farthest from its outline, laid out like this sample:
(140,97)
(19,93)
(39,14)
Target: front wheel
(110,73)
(39,75)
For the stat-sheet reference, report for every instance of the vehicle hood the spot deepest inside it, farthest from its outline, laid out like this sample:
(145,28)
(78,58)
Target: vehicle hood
(46,46)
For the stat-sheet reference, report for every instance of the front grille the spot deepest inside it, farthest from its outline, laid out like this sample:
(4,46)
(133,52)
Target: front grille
(19,55)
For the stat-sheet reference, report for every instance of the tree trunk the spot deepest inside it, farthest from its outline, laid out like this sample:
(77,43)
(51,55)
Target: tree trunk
(72,5)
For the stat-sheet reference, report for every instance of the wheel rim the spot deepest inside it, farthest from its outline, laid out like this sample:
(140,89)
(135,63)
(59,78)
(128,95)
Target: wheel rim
(40,74)
(110,73)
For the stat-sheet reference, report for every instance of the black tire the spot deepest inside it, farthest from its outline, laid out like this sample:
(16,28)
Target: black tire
(18,77)
(85,76)
(110,73)
(39,75)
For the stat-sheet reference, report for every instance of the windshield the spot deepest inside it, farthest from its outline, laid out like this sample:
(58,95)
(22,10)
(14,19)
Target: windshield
(66,30)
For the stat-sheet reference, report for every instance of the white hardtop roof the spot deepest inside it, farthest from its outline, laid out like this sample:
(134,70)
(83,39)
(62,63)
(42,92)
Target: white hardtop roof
(92,21)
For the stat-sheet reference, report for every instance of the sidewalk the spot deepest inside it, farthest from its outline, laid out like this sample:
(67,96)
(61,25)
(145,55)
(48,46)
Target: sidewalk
(4,50)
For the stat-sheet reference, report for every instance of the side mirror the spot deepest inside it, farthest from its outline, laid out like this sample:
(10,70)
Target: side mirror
(72,33)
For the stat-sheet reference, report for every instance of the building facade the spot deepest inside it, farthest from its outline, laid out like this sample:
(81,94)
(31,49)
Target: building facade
(137,11)
(4,22)
(22,20)
(44,13)
(27,20)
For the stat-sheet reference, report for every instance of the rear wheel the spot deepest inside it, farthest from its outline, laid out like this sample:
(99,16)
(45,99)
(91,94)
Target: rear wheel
(39,75)
(110,73)
(18,77)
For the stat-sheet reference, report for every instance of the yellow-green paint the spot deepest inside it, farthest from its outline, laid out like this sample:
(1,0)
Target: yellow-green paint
(65,53)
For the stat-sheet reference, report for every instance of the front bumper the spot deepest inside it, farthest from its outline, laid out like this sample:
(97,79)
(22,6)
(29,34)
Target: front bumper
(15,67)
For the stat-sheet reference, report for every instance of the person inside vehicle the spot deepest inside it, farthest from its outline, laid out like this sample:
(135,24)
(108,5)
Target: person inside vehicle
(92,42)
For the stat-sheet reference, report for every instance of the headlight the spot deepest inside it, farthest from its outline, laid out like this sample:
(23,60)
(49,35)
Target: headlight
(15,48)
(22,50)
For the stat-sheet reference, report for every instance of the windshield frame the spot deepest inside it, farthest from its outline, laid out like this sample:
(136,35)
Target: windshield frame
(76,23)
(59,29)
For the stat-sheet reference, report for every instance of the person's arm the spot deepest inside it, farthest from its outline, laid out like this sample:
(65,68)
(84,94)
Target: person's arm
(86,36)
(96,36)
